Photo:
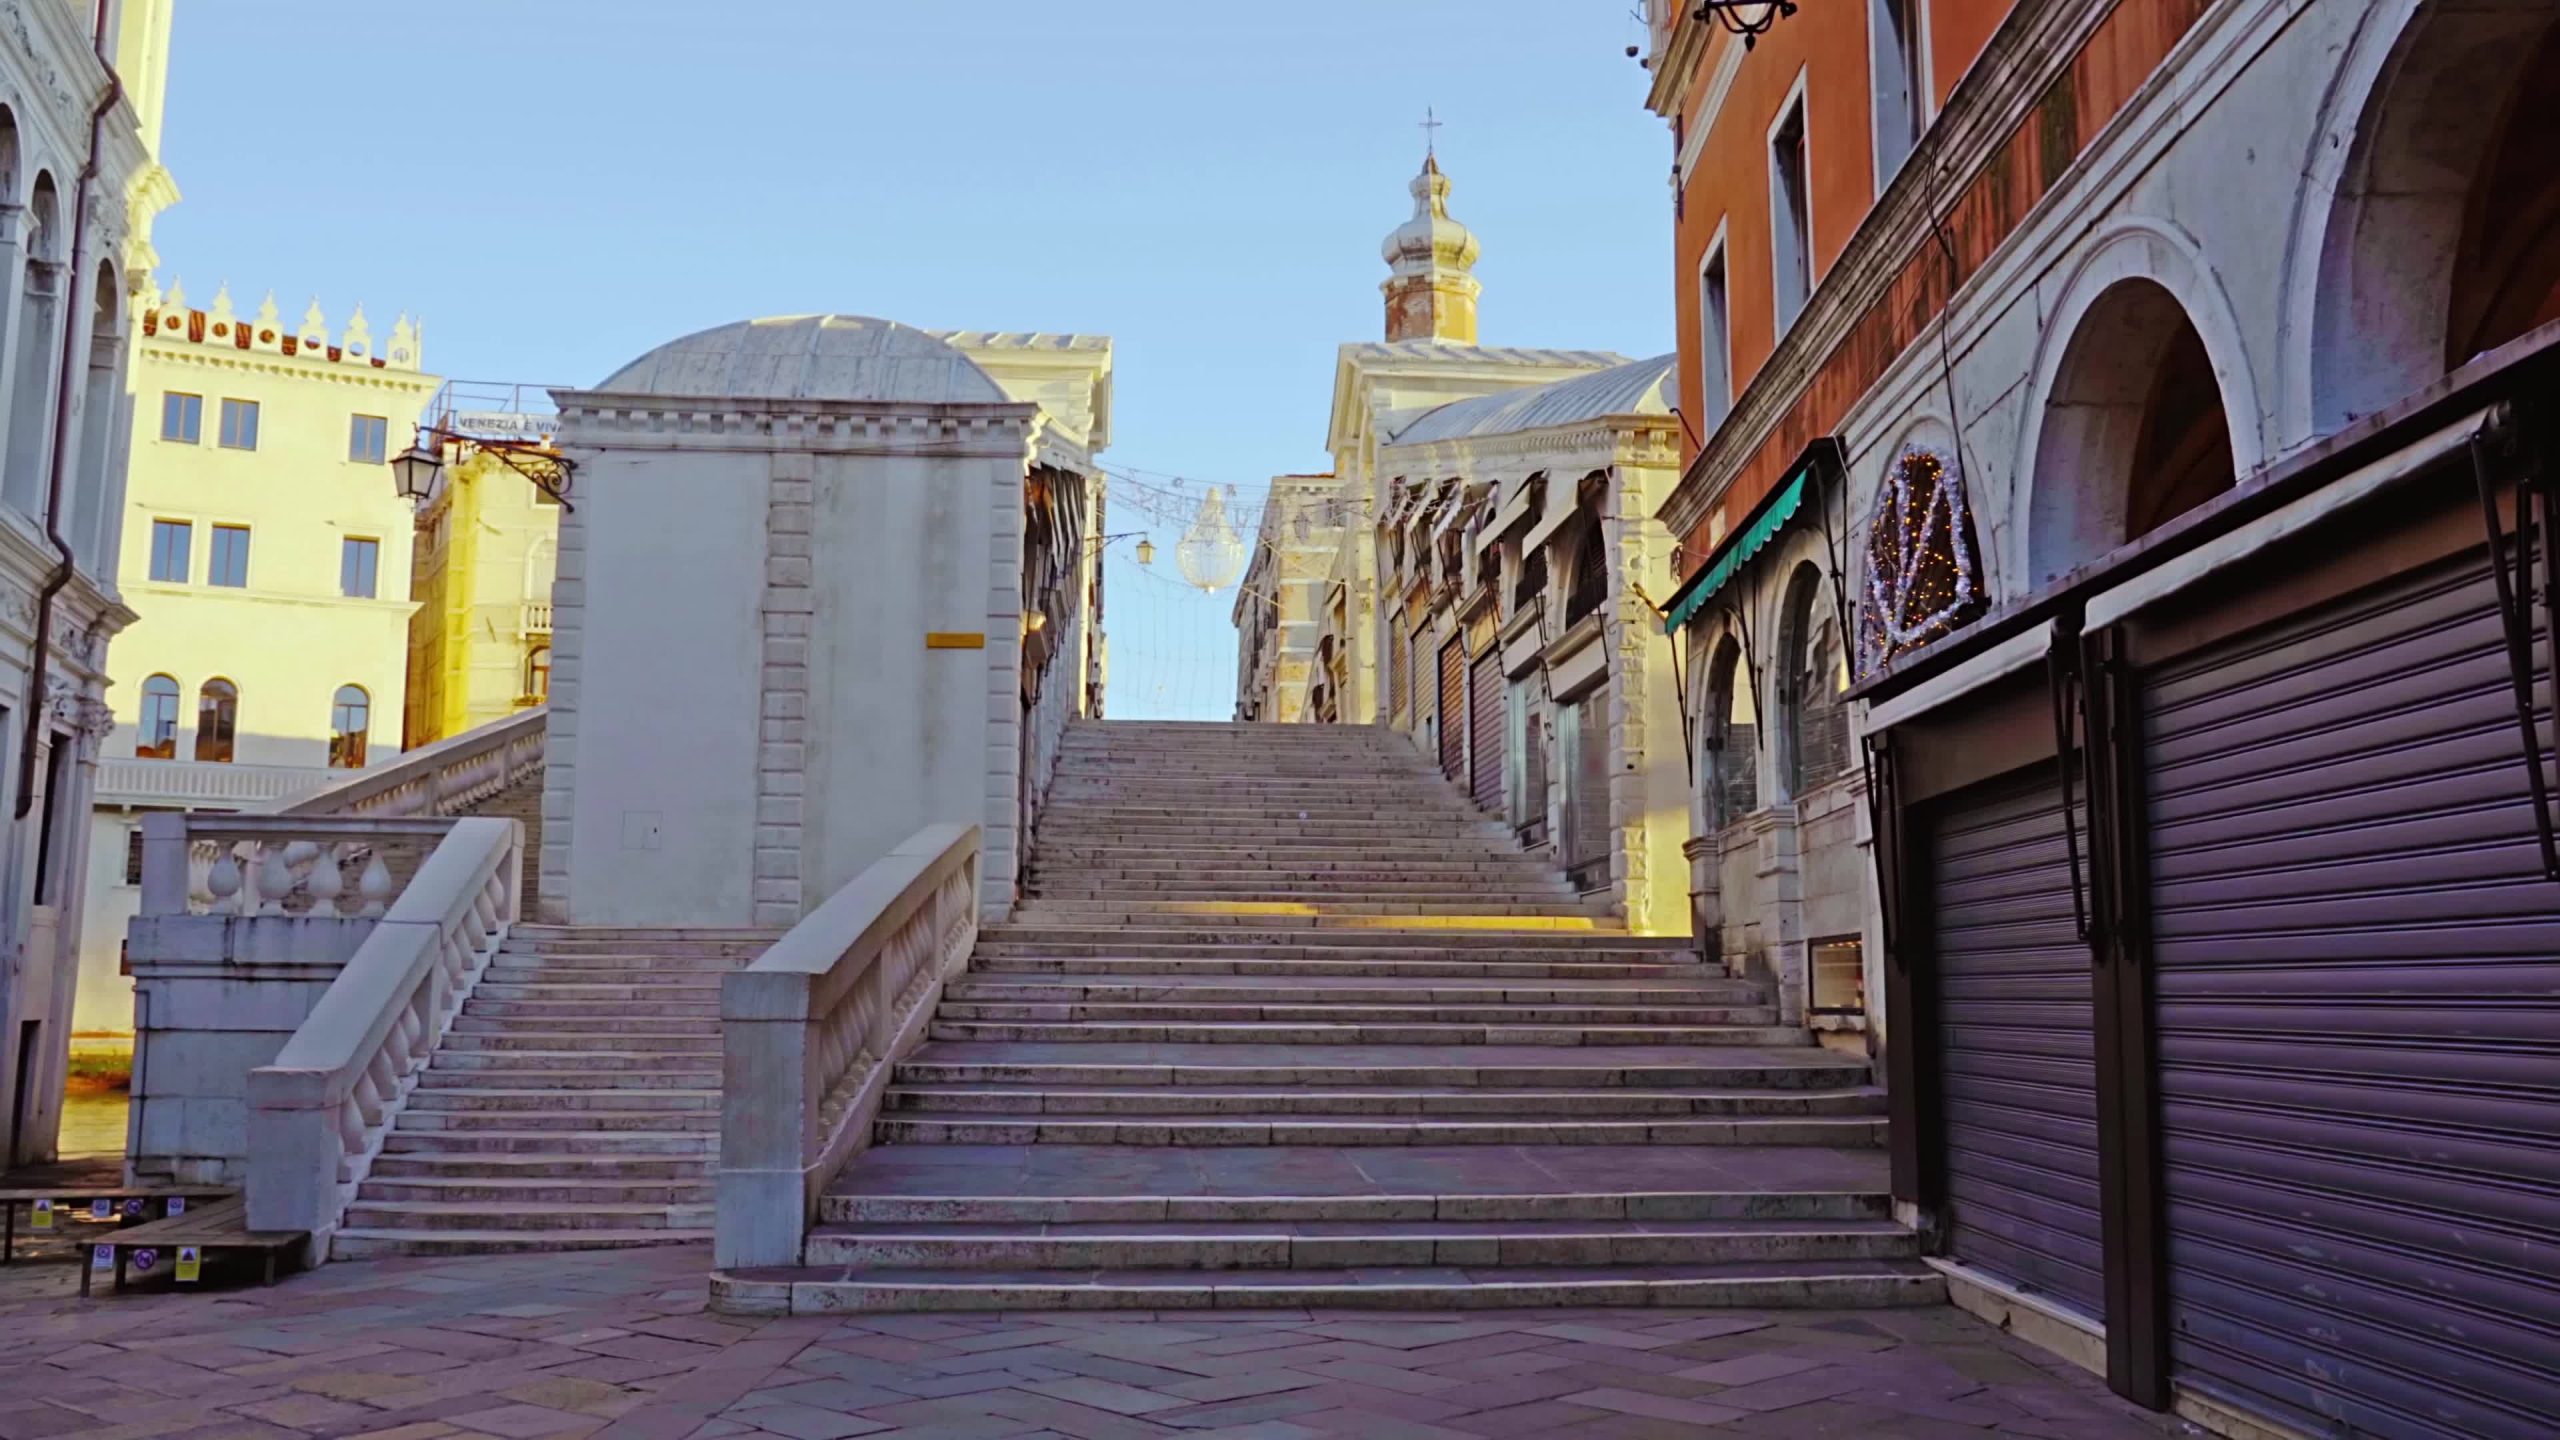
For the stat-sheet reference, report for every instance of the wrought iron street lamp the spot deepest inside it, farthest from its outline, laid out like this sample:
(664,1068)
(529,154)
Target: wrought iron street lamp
(1749,19)
(414,470)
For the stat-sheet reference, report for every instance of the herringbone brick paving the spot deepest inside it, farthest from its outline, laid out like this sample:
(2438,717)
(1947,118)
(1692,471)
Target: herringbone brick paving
(618,1344)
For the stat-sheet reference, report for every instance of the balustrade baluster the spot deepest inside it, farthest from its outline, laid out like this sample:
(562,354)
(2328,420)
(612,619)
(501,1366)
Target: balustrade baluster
(374,886)
(325,883)
(274,880)
(222,881)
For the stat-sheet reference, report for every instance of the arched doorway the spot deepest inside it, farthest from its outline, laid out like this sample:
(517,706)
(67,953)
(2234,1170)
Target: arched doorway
(2134,430)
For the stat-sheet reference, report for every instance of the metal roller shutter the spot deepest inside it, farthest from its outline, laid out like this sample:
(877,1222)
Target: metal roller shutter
(2017,1044)
(2358,987)
(1453,711)
(1484,705)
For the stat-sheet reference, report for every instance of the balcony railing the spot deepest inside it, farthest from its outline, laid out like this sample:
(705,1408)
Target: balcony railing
(537,618)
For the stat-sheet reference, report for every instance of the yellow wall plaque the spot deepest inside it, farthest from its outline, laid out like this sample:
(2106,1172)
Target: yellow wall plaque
(955,640)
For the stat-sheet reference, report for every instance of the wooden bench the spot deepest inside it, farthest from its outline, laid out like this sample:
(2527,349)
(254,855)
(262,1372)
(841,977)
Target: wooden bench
(130,1203)
(222,1226)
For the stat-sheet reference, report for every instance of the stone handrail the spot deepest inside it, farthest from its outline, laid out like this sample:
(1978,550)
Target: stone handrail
(317,1116)
(812,1029)
(439,779)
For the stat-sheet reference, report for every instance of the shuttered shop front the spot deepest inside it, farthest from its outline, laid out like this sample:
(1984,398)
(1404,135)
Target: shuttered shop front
(2357,969)
(1453,711)
(2015,1045)
(1485,711)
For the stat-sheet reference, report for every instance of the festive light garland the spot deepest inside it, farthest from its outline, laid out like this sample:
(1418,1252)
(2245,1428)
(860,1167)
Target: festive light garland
(1924,572)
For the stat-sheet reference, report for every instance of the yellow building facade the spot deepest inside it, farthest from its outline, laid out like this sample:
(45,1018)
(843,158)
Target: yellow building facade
(266,554)
(479,642)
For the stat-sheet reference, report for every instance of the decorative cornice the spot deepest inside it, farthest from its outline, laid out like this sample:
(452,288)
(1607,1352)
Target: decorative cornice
(2017,67)
(988,430)
(1596,444)
(266,363)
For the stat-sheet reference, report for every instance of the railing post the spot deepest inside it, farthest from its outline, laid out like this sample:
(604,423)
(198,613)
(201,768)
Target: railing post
(767,1119)
(164,863)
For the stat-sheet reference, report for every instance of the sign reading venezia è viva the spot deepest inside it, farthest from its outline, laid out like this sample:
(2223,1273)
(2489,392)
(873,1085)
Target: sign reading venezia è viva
(502,425)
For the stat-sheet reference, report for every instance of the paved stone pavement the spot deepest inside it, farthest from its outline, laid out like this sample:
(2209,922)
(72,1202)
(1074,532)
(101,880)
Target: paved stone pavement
(619,1343)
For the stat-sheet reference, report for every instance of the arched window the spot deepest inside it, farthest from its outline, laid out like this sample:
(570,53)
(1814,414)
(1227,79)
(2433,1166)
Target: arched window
(537,673)
(217,720)
(158,739)
(31,403)
(1813,734)
(1730,769)
(350,716)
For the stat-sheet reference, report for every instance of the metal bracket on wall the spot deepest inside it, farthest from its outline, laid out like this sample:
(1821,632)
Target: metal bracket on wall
(2537,532)
(2070,697)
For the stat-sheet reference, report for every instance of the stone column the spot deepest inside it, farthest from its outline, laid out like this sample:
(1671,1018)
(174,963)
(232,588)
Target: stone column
(782,777)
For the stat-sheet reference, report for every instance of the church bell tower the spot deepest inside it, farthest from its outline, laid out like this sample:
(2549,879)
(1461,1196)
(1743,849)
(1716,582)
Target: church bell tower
(1430,286)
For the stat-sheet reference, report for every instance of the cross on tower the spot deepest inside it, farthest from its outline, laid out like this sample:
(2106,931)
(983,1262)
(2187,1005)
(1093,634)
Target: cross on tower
(1430,128)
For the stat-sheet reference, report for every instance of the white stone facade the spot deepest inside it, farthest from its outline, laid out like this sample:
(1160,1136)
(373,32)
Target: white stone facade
(851,494)
(72,256)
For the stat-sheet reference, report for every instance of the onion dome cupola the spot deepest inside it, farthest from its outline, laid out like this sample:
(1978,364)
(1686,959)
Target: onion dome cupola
(1430,287)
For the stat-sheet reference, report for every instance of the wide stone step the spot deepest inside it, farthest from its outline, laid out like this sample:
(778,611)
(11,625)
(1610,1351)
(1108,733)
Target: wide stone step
(911,1128)
(1230,1032)
(1316,960)
(1345,1013)
(381,1244)
(1423,890)
(464,1038)
(571,1070)
(506,1191)
(1348,989)
(556,1163)
(1266,905)
(634,969)
(1548,943)
(420,1120)
(675,1017)
(591,1143)
(1176,868)
(1343,1244)
(1797,1206)
(547,1099)
(1422,1068)
(1826,1284)
(588,1013)
(550,1216)
(621,992)
(1268,851)
(1318,1102)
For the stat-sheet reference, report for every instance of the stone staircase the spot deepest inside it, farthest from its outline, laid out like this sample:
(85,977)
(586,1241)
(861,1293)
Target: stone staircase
(575,1104)
(1283,1020)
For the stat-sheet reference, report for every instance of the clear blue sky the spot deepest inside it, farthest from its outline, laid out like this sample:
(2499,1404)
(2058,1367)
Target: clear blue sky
(555,186)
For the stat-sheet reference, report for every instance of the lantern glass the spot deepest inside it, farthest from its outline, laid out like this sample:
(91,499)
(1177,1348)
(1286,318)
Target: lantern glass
(413,472)
(1146,551)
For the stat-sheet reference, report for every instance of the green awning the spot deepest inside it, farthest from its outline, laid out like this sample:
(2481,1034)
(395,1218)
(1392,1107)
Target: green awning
(1735,553)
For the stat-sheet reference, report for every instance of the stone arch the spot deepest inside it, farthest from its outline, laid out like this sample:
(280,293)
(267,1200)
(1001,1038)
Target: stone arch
(2410,125)
(2141,326)
(12,149)
(1728,725)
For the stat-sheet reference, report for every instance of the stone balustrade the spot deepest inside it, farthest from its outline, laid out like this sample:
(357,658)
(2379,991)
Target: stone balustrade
(439,779)
(812,1029)
(322,866)
(318,1113)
